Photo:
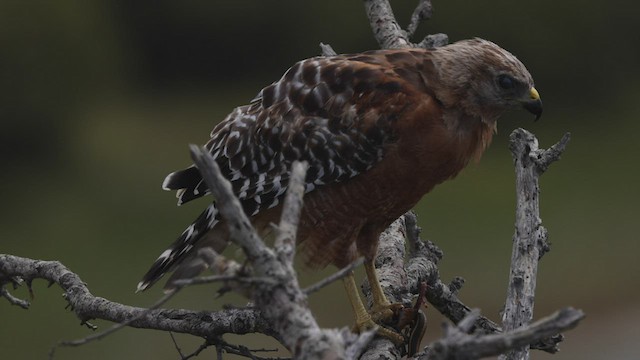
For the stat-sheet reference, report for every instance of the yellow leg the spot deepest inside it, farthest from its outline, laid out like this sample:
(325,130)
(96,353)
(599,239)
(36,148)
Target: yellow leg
(364,321)
(381,309)
(379,299)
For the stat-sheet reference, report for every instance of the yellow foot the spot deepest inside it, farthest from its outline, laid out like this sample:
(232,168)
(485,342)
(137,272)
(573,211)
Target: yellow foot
(392,335)
(383,313)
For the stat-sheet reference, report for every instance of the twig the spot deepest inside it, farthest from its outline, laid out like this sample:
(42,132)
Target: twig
(384,25)
(459,345)
(423,266)
(327,50)
(245,351)
(390,35)
(12,299)
(197,352)
(333,277)
(285,242)
(422,12)
(433,41)
(175,344)
(544,158)
(530,238)
(413,232)
(114,328)
(218,278)
(240,228)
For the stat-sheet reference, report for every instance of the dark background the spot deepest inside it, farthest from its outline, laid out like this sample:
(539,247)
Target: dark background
(98,101)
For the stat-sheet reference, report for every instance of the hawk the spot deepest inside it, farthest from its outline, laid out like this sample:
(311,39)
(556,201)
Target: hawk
(379,130)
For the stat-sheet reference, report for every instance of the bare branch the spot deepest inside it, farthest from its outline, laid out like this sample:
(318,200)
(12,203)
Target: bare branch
(243,351)
(285,242)
(218,278)
(284,304)
(327,50)
(200,348)
(235,277)
(384,25)
(422,265)
(459,345)
(333,277)
(390,35)
(355,350)
(530,238)
(433,41)
(240,228)
(114,328)
(87,306)
(544,158)
(423,11)
(12,299)
(393,280)
(390,264)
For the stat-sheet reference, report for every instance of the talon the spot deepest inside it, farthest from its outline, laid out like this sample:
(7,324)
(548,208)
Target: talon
(392,335)
(369,324)
(385,312)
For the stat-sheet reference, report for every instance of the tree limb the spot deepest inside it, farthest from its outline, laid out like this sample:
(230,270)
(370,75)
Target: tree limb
(423,11)
(391,273)
(390,35)
(384,25)
(86,306)
(457,344)
(530,238)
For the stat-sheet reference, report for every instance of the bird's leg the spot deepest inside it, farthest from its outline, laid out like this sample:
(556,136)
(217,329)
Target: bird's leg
(382,309)
(364,321)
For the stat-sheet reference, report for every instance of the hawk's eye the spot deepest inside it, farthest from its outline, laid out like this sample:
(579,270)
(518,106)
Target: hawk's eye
(506,82)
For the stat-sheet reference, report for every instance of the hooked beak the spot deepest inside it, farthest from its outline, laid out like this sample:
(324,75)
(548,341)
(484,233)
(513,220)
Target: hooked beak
(533,104)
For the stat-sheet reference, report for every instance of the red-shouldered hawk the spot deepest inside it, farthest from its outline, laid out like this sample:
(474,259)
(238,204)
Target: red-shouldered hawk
(378,129)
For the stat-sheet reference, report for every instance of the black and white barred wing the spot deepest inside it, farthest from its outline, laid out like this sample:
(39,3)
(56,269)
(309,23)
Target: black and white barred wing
(317,112)
(325,111)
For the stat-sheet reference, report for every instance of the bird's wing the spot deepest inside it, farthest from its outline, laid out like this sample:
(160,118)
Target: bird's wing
(335,113)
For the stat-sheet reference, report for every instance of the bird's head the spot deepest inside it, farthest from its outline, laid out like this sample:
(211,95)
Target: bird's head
(485,79)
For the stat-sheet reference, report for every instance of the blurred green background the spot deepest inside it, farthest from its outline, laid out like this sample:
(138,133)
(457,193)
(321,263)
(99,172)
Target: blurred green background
(99,99)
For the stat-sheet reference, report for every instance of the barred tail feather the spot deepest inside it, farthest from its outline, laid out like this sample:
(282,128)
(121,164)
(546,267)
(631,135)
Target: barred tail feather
(188,182)
(182,247)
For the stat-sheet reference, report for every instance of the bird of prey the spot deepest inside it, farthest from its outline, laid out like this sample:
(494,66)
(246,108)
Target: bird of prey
(378,129)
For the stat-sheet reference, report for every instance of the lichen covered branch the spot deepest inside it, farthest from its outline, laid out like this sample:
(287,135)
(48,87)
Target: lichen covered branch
(459,344)
(390,34)
(530,237)
(87,306)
